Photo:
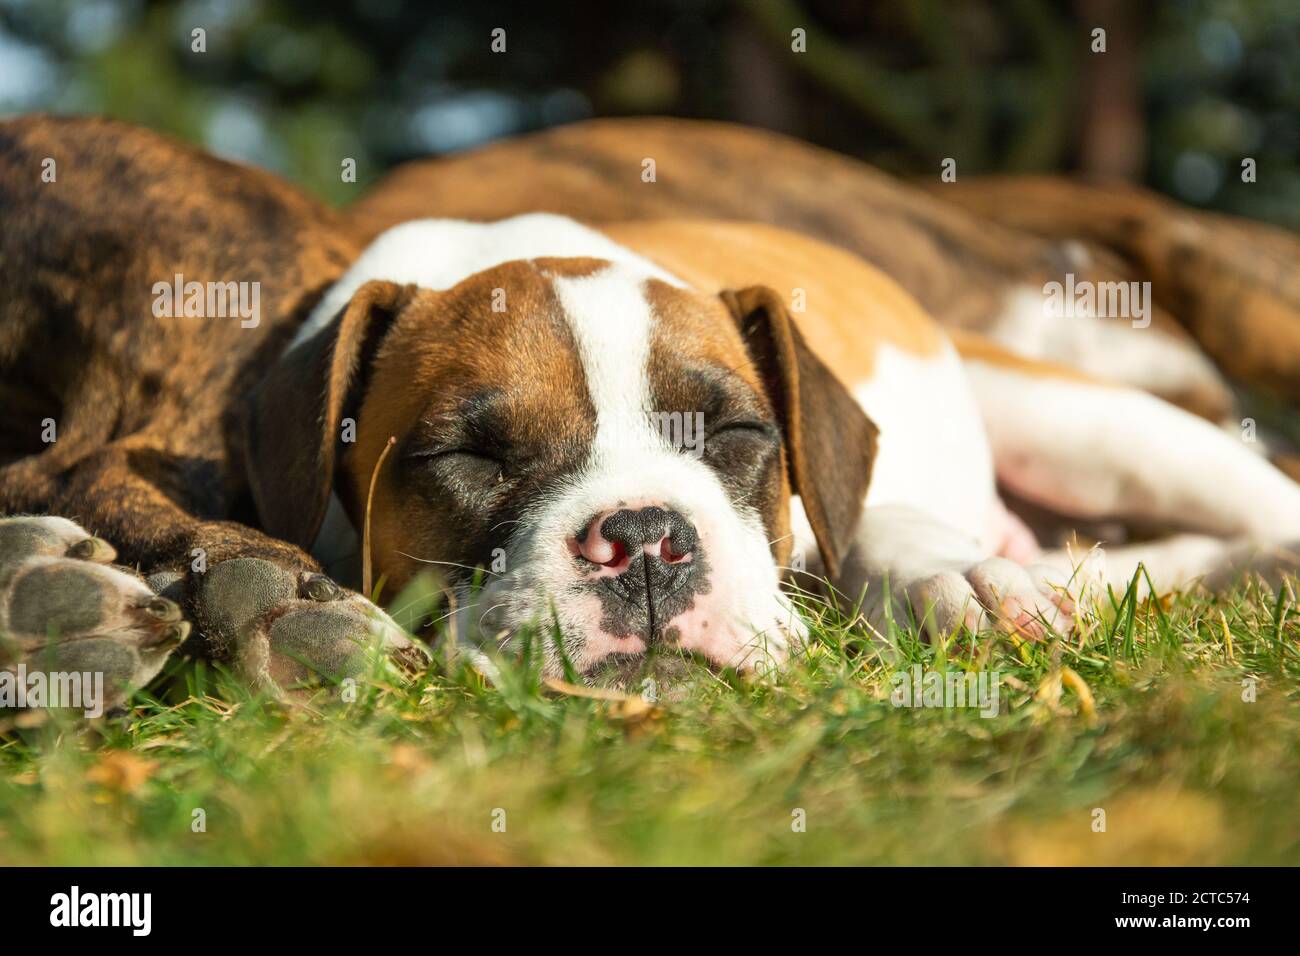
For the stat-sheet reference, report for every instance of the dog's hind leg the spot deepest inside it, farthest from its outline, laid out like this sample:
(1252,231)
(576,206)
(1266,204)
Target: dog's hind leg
(1092,450)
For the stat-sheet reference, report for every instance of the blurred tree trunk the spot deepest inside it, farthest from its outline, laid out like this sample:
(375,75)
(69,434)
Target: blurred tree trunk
(761,88)
(1112,138)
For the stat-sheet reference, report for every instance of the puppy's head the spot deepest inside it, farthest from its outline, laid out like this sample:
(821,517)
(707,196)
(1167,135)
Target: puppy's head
(616,453)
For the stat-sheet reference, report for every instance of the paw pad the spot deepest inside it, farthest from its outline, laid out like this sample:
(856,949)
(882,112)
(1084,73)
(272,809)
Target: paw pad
(286,627)
(65,609)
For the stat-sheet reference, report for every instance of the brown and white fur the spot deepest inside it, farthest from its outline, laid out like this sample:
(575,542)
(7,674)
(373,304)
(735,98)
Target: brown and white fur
(953,421)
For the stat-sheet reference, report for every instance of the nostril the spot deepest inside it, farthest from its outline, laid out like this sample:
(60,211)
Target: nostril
(668,554)
(595,546)
(618,557)
(597,549)
(680,542)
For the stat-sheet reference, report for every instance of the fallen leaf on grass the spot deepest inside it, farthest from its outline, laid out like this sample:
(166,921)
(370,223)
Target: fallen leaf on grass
(406,760)
(636,709)
(1087,706)
(1048,695)
(1049,692)
(28,719)
(1154,827)
(630,708)
(577,690)
(121,771)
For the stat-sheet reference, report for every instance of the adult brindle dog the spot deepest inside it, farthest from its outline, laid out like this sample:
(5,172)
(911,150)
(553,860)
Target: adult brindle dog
(126,425)
(518,375)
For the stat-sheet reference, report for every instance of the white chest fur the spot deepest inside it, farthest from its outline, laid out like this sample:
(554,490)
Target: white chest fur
(933,451)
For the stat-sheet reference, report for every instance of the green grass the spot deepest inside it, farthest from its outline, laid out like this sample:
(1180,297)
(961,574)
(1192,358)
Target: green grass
(412,771)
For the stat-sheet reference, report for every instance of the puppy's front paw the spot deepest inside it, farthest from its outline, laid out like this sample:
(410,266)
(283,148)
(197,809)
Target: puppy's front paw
(1025,601)
(65,609)
(285,628)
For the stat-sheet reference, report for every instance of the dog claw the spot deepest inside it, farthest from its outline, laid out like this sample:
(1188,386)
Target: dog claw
(318,587)
(161,608)
(994,592)
(63,606)
(177,633)
(93,549)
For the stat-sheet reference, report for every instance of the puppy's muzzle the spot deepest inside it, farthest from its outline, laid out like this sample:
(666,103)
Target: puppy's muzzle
(643,557)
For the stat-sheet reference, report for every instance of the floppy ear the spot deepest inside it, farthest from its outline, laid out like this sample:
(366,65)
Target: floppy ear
(830,443)
(292,422)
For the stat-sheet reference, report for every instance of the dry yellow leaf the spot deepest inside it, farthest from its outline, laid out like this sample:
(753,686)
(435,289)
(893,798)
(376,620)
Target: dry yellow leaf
(1154,827)
(633,709)
(576,690)
(121,771)
(1071,679)
(407,760)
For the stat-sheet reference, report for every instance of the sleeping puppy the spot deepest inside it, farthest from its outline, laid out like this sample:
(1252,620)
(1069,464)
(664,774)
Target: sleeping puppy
(616,449)
(646,449)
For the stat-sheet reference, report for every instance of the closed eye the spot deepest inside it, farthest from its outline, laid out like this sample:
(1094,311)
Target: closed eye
(464,471)
(432,454)
(741,427)
(743,453)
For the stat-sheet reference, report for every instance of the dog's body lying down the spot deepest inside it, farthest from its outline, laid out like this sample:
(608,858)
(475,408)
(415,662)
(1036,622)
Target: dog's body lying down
(950,427)
(629,428)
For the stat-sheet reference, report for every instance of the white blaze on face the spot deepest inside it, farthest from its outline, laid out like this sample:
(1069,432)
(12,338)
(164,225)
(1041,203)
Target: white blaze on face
(740,617)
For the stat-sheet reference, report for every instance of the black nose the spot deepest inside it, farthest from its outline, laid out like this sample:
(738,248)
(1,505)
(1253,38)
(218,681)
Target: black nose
(634,530)
(655,555)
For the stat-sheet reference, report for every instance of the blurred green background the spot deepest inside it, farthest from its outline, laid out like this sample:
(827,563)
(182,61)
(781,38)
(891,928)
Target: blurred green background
(1185,90)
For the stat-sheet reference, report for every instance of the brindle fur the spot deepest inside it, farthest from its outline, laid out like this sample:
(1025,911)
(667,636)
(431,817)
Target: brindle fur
(147,452)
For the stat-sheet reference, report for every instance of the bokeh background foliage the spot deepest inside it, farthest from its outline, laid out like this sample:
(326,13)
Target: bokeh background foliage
(1185,90)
